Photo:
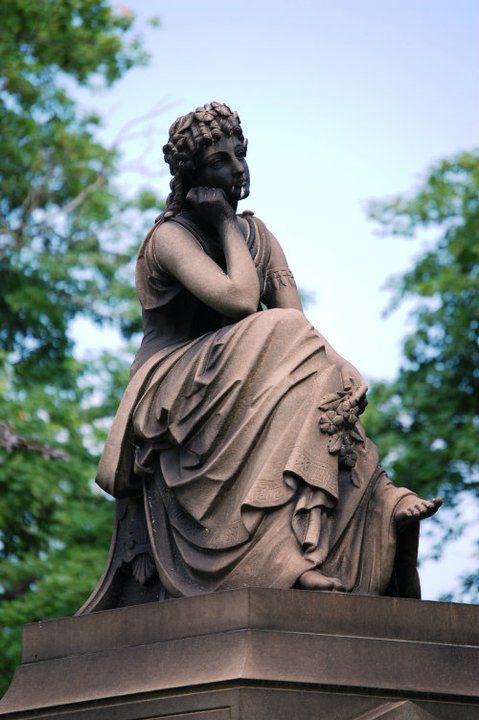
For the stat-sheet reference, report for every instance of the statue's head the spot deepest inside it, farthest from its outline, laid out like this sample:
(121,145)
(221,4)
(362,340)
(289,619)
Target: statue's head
(189,137)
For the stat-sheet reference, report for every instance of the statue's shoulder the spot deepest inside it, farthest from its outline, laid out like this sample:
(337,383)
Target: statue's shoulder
(159,229)
(171,226)
(163,235)
(248,216)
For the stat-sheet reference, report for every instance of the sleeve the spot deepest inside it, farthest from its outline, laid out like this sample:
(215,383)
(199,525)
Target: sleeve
(275,271)
(259,246)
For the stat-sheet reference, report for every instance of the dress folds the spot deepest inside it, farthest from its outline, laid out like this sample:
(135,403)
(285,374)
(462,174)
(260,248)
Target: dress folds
(249,452)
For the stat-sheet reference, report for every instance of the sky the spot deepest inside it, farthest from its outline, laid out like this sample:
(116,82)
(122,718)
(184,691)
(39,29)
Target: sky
(341,101)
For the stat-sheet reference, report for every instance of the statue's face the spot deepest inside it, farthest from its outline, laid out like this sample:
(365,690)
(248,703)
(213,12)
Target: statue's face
(223,165)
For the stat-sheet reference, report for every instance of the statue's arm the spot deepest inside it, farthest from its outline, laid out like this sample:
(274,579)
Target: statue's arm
(280,287)
(235,293)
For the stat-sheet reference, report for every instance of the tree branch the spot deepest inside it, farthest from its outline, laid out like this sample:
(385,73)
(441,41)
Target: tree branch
(19,590)
(10,441)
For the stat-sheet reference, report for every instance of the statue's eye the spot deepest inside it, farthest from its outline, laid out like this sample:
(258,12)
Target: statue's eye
(215,164)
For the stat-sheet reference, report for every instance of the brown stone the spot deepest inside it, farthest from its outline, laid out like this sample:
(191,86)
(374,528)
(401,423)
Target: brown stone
(237,456)
(254,653)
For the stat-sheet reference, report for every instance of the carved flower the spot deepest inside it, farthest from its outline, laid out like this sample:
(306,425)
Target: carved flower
(204,115)
(335,443)
(347,454)
(220,108)
(349,412)
(330,422)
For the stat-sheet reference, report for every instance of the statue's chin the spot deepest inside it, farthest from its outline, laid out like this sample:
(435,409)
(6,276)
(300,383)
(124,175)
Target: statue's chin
(242,192)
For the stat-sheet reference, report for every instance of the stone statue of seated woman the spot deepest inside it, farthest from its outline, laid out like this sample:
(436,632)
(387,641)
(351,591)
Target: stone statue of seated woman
(237,455)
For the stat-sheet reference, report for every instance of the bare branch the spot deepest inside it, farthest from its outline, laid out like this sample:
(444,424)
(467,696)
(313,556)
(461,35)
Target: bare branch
(81,197)
(156,110)
(10,441)
(19,590)
(143,170)
(131,130)
(32,200)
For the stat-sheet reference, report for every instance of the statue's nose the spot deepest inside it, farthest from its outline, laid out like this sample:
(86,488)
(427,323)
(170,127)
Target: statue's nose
(238,167)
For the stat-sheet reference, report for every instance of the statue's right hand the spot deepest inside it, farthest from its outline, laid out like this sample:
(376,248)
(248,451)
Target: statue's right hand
(211,204)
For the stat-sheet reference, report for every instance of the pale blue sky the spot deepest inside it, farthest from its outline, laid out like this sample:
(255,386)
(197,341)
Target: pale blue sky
(342,101)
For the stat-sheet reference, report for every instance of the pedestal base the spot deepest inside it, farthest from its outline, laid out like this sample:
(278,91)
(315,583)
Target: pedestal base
(256,654)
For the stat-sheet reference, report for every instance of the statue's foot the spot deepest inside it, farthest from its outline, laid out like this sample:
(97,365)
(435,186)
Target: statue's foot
(316,580)
(411,509)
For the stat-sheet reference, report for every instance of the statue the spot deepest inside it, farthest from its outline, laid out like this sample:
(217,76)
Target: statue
(237,454)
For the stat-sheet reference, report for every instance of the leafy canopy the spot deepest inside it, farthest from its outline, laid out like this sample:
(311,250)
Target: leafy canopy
(427,421)
(64,253)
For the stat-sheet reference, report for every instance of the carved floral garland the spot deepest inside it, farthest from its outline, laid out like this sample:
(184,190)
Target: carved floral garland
(339,414)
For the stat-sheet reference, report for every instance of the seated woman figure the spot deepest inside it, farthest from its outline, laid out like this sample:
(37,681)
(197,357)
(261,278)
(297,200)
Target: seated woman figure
(240,425)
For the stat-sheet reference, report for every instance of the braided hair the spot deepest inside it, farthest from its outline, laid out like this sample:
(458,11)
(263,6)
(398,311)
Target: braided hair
(188,136)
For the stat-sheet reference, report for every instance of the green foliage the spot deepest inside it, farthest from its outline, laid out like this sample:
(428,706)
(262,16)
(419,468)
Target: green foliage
(64,254)
(426,422)
(54,529)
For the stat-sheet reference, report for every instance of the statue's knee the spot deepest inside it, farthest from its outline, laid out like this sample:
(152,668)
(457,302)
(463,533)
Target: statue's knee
(287,317)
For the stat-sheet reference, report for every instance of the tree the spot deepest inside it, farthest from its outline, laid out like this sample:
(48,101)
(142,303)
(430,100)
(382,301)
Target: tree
(426,422)
(63,254)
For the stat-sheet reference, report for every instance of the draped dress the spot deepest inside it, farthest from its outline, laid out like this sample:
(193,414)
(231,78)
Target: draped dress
(247,445)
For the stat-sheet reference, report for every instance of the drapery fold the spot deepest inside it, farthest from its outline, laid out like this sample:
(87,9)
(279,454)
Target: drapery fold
(241,464)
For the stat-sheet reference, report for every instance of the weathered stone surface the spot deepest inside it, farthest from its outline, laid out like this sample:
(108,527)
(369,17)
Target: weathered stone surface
(254,653)
(237,455)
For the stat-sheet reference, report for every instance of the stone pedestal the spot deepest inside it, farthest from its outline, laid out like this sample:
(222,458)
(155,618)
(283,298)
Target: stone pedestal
(253,654)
